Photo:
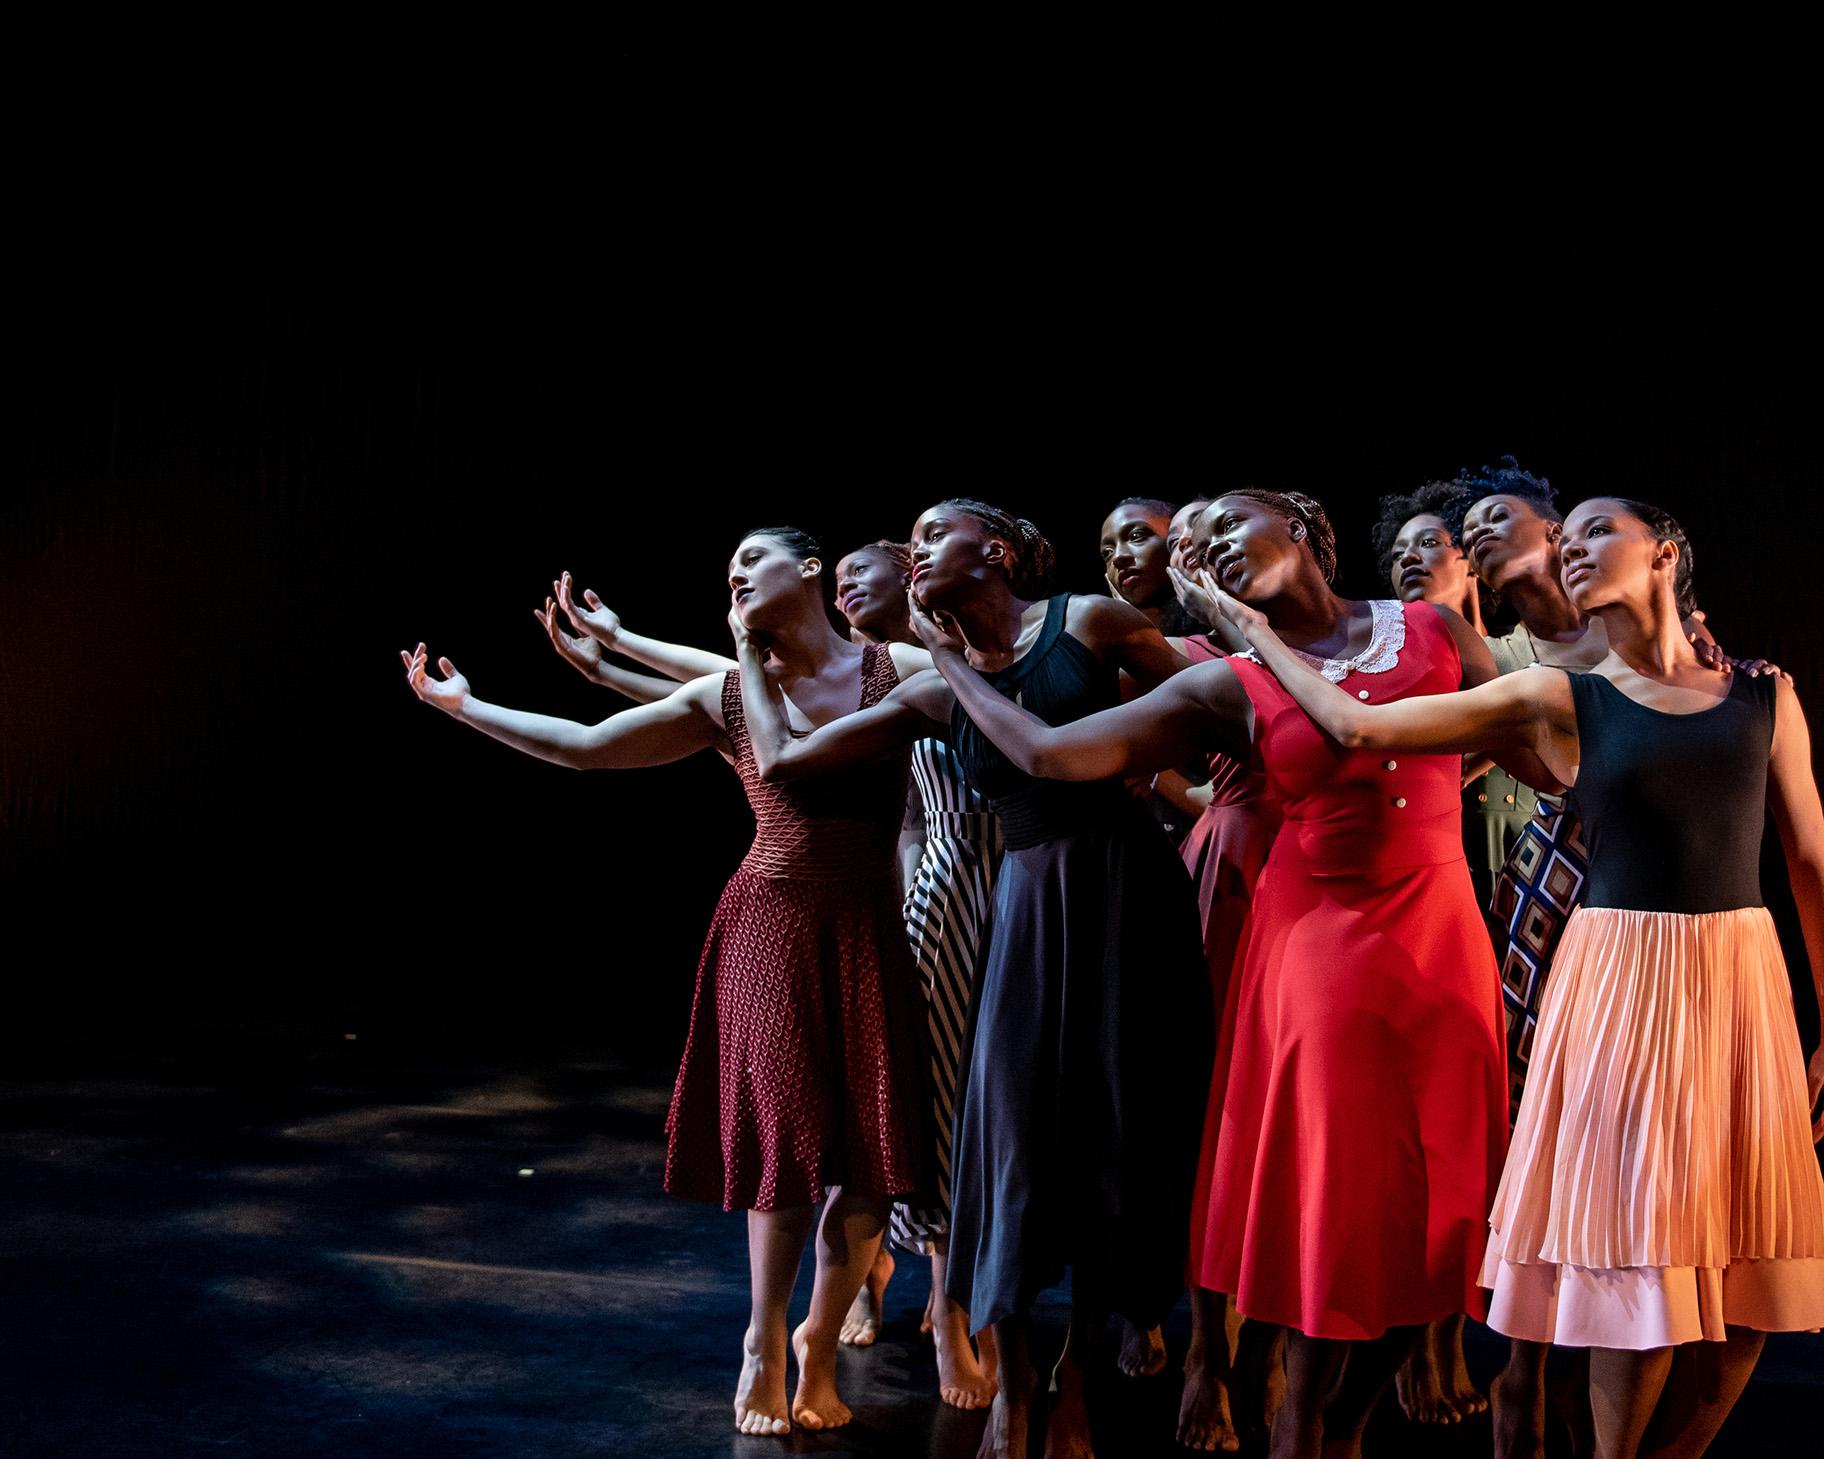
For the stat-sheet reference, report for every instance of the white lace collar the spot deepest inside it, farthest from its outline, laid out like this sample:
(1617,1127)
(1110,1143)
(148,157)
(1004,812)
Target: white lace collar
(1385,640)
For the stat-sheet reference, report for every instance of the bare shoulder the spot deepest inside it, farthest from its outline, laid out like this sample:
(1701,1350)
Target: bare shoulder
(908,659)
(1097,622)
(701,696)
(925,693)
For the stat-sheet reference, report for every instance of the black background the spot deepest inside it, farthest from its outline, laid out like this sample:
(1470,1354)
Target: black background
(244,475)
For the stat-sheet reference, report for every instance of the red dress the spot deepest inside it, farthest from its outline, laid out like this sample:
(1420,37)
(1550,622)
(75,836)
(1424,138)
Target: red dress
(806,1063)
(1364,1118)
(1224,851)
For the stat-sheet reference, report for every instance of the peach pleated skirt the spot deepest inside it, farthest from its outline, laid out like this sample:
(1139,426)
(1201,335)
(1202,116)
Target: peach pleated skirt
(1661,1180)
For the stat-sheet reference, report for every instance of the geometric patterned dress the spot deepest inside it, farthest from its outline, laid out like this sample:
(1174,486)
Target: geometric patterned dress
(948,910)
(1535,893)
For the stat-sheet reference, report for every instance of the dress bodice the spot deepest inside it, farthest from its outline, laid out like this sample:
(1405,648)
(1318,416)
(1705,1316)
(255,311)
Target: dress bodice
(1673,805)
(1232,781)
(1349,811)
(1059,680)
(824,827)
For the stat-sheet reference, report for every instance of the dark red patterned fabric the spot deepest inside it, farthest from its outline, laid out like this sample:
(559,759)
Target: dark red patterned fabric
(806,1064)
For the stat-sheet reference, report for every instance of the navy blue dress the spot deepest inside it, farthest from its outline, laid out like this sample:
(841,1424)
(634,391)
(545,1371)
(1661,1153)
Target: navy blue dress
(1089,1052)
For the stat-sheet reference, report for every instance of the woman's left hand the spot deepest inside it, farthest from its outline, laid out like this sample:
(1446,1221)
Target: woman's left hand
(1248,621)
(936,631)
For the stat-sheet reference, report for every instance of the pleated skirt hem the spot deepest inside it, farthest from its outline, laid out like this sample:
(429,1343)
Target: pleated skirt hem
(1652,1307)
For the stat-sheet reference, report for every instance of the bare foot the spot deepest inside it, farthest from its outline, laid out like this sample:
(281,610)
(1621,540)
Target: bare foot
(1421,1388)
(815,1404)
(1067,1430)
(1453,1372)
(990,1348)
(960,1380)
(1519,1418)
(1142,1352)
(1009,1416)
(760,1406)
(927,1322)
(1203,1413)
(861,1327)
(1257,1381)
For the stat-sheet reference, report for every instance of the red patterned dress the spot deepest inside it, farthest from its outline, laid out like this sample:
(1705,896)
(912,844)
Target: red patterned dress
(806,1063)
(1364,1117)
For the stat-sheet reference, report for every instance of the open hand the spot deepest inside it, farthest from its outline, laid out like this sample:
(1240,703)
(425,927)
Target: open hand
(747,642)
(583,653)
(591,616)
(449,693)
(937,631)
(1192,596)
(1248,621)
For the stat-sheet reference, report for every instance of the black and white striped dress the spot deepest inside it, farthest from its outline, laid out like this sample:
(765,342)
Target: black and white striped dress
(947,914)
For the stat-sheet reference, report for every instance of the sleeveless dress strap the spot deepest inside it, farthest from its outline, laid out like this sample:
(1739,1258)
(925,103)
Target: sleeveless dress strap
(1055,612)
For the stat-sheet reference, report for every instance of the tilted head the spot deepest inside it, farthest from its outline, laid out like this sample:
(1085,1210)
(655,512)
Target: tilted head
(1261,541)
(961,543)
(1180,534)
(1136,551)
(871,589)
(1416,541)
(1512,525)
(772,574)
(1616,549)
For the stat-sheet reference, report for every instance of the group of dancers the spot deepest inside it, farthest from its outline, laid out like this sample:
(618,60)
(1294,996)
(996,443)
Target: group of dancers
(1274,1065)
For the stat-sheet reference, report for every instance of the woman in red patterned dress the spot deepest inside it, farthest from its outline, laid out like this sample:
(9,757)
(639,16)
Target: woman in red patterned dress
(804,1073)
(1364,1115)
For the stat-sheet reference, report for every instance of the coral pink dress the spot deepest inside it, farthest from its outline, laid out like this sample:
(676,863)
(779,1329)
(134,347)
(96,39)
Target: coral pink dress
(1365,1110)
(807,1061)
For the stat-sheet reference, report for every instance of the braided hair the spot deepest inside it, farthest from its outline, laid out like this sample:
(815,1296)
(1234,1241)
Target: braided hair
(1308,510)
(1664,527)
(1030,557)
(1158,506)
(898,553)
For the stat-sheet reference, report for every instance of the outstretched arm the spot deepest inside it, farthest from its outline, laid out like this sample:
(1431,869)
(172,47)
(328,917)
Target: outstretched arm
(590,660)
(1121,634)
(675,660)
(1202,709)
(653,734)
(1793,796)
(1513,715)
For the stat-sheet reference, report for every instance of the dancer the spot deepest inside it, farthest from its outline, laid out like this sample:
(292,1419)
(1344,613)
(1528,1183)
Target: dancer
(1233,1368)
(948,872)
(804,1077)
(1366,1007)
(1075,1131)
(1136,553)
(1661,1205)
(1415,537)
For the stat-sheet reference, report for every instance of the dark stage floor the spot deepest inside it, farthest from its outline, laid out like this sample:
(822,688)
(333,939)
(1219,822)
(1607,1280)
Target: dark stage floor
(337,1250)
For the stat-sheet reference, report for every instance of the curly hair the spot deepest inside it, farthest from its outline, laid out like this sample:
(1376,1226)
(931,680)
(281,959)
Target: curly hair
(1446,500)
(1031,560)
(1510,478)
(1664,527)
(1296,506)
